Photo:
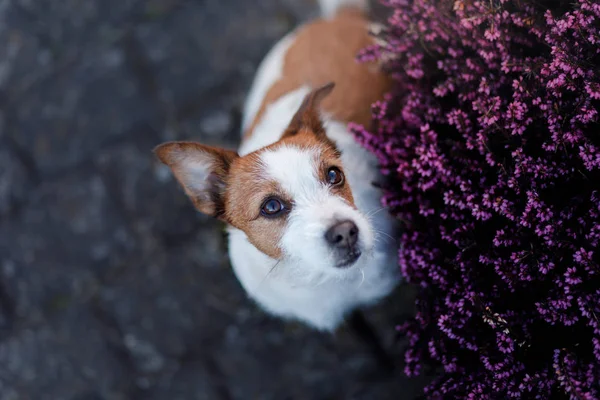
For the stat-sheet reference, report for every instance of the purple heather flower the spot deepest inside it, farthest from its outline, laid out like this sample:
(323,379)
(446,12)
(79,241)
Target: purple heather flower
(490,143)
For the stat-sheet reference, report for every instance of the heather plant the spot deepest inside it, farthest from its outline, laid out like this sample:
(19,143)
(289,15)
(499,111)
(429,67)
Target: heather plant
(491,146)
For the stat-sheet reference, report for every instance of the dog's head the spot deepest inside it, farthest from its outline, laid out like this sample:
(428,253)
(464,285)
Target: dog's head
(291,198)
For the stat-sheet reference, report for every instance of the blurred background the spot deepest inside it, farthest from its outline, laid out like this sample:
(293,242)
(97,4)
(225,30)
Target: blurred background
(111,285)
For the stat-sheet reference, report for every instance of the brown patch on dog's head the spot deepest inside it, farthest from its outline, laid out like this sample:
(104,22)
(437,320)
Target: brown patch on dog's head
(248,190)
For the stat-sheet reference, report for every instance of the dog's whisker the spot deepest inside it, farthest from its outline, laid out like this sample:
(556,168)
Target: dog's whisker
(375,211)
(363,277)
(385,240)
(379,232)
(380,240)
(267,275)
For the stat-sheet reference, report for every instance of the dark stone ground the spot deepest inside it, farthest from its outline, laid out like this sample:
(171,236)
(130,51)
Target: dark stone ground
(111,285)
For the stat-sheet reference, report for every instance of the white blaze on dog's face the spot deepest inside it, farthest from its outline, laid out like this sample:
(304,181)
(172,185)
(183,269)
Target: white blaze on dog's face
(291,198)
(323,228)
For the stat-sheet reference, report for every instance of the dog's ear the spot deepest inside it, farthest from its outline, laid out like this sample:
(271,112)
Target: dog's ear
(308,116)
(202,172)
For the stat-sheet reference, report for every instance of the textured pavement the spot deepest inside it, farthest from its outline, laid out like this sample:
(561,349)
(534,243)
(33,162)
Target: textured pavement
(111,285)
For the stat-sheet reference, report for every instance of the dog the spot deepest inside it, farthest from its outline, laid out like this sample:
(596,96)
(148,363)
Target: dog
(308,238)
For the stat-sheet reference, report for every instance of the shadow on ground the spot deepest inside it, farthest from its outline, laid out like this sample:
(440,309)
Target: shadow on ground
(111,285)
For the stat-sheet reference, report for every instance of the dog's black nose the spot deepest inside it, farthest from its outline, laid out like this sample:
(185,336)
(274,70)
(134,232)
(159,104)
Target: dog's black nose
(343,234)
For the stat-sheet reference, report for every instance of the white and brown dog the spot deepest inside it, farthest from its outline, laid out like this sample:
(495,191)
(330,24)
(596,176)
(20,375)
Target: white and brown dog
(306,238)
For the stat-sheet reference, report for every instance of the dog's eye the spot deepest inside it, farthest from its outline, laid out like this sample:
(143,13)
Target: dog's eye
(335,176)
(271,207)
